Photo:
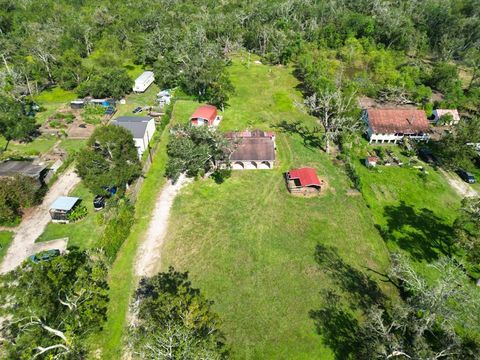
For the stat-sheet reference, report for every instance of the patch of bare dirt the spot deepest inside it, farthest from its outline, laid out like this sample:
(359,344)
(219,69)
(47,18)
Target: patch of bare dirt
(149,252)
(461,187)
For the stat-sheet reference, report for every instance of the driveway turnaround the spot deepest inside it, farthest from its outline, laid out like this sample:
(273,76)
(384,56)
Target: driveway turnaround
(34,222)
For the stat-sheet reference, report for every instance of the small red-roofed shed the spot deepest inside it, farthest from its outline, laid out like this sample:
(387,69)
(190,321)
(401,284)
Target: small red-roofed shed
(204,115)
(303,181)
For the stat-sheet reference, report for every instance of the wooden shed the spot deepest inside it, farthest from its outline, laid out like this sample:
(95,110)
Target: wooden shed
(62,207)
(303,181)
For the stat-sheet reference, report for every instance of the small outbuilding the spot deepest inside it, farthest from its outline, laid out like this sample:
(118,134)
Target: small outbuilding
(62,207)
(205,115)
(303,181)
(440,114)
(371,161)
(253,149)
(143,81)
(13,168)
(142,129)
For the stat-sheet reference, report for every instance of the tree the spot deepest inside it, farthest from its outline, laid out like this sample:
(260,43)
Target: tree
(16,194)
(196,150)
(335,114)
(424,325)
(110,159)
(51,307)
(14,123)
(110,82)
(457,149)
(172,320)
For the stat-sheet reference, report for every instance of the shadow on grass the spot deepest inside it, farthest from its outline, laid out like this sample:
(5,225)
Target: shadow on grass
(362,290)
(337,326)
(335,321)
(310,137)
(420,232)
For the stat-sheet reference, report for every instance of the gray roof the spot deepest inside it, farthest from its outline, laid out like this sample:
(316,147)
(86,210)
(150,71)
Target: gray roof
(137,125)
(26,168)
(64,203)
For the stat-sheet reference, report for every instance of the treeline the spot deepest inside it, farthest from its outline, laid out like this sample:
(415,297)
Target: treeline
(84,44)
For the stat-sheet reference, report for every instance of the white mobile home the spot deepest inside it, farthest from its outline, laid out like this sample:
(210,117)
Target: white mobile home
(144,81)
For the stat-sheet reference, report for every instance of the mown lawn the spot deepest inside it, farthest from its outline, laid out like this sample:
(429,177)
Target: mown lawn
(415,211)
(84,233)
(250,246)
(6,238)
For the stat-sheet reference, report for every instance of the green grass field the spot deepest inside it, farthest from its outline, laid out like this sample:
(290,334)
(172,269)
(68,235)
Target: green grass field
(414,211)
(250,246)
(83,233)
(6,238)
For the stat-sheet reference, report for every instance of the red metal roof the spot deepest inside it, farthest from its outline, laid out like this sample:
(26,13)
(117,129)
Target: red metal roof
(307,176)
(208,112)
(389,121)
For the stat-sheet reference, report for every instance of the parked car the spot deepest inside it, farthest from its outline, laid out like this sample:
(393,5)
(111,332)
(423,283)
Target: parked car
(137,110)
(466,176)
(99,202)
(45,256)
(83,126)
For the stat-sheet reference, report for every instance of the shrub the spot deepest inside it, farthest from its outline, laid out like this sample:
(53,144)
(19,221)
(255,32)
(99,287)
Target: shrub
(120,220)
(220,175)
(78,213)
(16,194)
(353,175)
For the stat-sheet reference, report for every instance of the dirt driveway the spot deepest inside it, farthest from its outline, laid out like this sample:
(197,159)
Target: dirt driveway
(149,252)
(34,222)
(460,186)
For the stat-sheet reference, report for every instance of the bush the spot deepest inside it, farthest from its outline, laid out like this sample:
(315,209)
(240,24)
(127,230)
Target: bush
(16,194)
(352,174)
(78,213)
(120,220)
(220,175)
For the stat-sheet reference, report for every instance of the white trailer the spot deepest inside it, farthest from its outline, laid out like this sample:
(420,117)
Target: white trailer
(143,81)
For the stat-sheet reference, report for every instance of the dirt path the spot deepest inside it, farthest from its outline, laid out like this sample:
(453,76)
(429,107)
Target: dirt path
(461,187)
(34,222)
(149,252)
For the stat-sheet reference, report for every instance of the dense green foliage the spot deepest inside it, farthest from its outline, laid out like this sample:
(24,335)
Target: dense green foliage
(14,122)
(174,320)
(17,194)
(195,151)
(459,147)
(52,306)
(119,219)
(110,159)
(82,44)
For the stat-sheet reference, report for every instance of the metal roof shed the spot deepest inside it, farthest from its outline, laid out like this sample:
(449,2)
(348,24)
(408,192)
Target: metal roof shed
(62,207)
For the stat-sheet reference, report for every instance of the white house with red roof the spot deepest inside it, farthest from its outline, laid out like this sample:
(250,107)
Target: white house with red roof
(303,181)
(205,115)
(253,149)
(392,125)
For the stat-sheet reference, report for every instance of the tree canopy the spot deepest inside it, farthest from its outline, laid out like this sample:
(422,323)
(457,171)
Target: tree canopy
(110,159)
(172,320)
(196,151)
(52,306)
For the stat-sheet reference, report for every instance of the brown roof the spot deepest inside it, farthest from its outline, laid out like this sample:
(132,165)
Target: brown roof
(257,149)
(389,121)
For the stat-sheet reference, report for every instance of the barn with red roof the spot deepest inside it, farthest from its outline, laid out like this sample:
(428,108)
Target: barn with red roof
(205,115)
(392,125)
(303,181)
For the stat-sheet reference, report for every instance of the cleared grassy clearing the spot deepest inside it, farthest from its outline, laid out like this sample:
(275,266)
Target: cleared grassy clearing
(250,246)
